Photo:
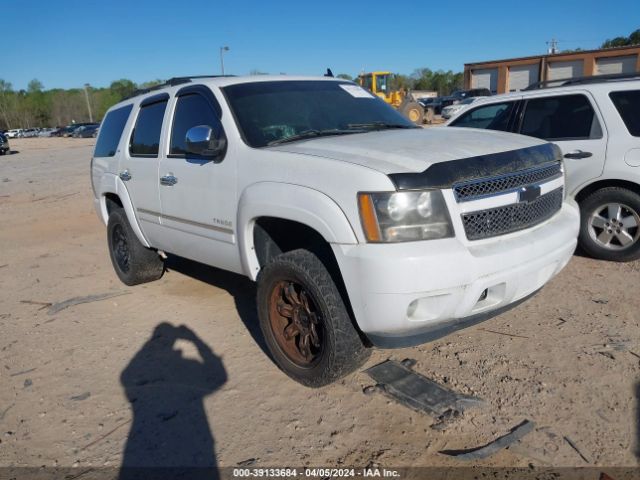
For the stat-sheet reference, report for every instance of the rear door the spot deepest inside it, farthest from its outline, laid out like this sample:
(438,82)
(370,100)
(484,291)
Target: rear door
(572,122)
(198,195)
(139,167)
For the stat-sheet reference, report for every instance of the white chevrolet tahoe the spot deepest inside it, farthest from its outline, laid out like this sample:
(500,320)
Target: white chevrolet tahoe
(360,228)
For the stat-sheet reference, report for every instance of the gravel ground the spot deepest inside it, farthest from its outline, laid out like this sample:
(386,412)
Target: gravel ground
(70,381)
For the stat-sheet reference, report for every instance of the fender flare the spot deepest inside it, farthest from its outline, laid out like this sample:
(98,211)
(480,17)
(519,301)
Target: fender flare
(110,183)
(288,202)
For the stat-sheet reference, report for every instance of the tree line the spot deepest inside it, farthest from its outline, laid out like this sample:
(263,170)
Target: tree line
(632,39)
(37,107)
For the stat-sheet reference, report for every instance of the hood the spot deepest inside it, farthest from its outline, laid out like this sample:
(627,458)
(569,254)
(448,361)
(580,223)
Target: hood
(415,150)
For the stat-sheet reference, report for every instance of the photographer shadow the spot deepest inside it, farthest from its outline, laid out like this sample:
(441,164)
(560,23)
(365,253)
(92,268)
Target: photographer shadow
(170,435)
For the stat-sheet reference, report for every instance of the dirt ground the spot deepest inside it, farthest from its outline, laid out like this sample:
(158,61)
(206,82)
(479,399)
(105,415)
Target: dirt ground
(568,359)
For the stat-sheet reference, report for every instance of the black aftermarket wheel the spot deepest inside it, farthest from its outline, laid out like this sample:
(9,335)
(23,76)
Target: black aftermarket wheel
(305,322)
(132,261)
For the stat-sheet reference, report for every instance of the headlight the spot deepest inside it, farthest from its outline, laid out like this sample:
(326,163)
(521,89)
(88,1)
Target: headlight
(404,216)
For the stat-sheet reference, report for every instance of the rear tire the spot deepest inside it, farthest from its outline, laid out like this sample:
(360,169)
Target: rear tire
(610,224)
(305,323)
(133,262)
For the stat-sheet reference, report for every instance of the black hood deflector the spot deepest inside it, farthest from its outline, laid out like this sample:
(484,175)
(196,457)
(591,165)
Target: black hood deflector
(445,174)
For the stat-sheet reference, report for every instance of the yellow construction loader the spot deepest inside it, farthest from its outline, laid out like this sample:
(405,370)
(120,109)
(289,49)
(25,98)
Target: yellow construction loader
(381,84)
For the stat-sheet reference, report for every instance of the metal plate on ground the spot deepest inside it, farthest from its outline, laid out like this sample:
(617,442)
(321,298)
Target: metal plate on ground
(417,391)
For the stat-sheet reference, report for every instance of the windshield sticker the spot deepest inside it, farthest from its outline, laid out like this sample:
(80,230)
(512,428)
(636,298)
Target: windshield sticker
(356,91)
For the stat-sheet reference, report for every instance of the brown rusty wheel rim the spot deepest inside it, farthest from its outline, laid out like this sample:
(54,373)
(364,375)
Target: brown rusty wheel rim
(296,323)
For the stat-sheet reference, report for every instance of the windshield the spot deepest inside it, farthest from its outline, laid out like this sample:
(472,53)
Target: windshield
(468,101)
(268,113)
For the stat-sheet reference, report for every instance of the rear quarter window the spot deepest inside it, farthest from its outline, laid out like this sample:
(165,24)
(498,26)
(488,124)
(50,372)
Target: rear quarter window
(111,131)
(628,105)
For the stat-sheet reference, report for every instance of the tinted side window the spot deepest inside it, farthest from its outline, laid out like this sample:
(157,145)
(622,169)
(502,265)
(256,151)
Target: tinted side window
(492,117)
(145,139)
(191,110)
(557,118)
(628,106)
(111,130)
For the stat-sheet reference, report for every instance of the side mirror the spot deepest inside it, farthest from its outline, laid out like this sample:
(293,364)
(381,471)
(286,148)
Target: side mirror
(201,140)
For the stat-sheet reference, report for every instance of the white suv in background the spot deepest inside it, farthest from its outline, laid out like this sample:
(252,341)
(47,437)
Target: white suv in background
(596,123)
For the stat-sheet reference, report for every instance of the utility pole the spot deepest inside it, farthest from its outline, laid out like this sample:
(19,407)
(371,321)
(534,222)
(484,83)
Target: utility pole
(86,95)
(222,50)
(553,46)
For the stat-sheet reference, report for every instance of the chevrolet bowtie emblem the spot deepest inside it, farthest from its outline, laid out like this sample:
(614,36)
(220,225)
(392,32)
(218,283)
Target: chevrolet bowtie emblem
(529,193)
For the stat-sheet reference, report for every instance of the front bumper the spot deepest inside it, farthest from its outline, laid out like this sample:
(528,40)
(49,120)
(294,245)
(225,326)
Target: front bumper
(408,293)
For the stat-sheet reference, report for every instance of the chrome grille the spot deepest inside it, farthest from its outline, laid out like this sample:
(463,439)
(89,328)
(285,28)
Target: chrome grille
(488,186)
(511,218)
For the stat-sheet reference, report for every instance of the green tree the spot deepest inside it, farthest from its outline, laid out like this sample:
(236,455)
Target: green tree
(344,76)
(123,88)
(151,83)
(6,101)
(442,82)
(632,39)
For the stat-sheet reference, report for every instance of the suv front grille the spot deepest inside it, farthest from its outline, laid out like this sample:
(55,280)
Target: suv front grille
(511,218)
(500,184)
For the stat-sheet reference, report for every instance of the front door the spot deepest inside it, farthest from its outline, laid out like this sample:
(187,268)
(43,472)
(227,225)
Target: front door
(198,195)
(571,122)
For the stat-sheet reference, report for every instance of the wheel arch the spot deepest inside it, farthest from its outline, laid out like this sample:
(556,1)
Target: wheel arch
(114,193)
(587,190)
(286,205)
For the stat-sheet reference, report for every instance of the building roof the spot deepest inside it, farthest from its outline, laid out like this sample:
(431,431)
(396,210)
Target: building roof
(559,54)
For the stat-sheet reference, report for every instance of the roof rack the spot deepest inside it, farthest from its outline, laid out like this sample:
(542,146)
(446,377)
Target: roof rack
(562,82)
(172,82)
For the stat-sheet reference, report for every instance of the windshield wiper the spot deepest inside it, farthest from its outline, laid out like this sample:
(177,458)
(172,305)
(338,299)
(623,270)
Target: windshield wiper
(379,126)
(310,134)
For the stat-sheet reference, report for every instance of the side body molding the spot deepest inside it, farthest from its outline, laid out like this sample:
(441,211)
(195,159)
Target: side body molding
(110,183)
(289,202)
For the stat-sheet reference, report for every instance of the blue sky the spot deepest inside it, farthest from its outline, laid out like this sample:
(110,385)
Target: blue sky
(66,44)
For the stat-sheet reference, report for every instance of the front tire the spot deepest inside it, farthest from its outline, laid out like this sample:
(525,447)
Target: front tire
(610,224)
(305,322)
(132,261)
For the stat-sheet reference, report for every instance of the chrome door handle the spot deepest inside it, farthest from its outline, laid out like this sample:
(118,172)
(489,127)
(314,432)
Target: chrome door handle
(577,154)
(125,176)
(168,180)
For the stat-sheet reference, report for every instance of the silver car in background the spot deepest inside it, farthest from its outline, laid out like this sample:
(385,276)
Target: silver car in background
(452,110)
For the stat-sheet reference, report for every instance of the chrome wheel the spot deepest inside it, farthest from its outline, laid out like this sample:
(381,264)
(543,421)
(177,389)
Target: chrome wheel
(614,226)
